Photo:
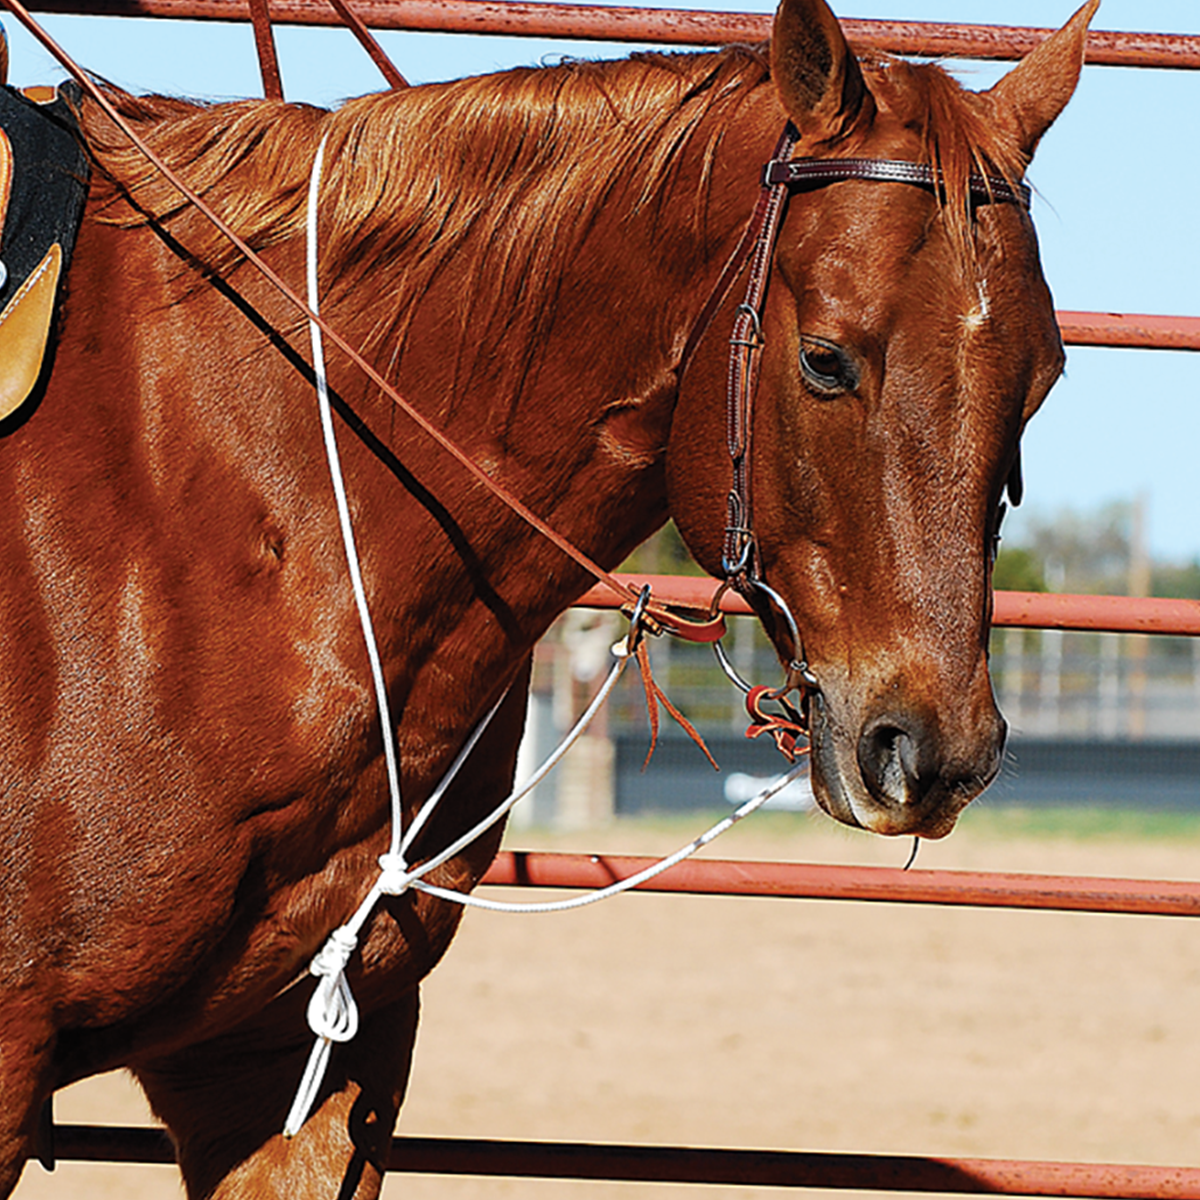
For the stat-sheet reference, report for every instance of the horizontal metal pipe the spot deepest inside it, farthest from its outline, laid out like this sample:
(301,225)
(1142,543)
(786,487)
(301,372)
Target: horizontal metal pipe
(1140,331)
(673,1164)
(112,1143)
(792,1169)
(821,881)
(1024,610)
(1104,47)
(657,25)
(1115,614)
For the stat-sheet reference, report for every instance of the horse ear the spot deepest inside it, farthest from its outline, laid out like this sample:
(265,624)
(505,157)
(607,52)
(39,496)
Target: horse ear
(1029,98)
(815,72)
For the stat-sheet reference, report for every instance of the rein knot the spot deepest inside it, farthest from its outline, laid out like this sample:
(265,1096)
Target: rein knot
(332,1013)
(786,729)
(332,1016)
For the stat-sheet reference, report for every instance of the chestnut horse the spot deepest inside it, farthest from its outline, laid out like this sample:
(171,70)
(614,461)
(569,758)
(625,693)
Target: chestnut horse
(192,761)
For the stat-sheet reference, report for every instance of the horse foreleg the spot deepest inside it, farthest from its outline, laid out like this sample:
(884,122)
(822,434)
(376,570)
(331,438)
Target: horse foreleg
(225,1103)
(25,1082)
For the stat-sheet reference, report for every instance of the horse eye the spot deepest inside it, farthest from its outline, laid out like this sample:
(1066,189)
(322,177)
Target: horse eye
(827,368)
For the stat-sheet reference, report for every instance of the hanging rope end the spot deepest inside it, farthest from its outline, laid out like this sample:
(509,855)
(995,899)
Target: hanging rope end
(306,1093)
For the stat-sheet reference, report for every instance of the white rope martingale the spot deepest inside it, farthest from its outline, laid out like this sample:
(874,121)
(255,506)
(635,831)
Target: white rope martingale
(332,1012)
(631,881)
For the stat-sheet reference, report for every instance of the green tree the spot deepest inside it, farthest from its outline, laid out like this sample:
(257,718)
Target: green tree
(1177,581)
(663,553)
(1086,551)
(1018,569)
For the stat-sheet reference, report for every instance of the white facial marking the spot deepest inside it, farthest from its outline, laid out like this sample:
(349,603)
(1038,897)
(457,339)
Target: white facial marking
(977,317)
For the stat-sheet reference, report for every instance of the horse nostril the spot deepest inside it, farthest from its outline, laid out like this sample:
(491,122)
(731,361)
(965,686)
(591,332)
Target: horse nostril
(889,759)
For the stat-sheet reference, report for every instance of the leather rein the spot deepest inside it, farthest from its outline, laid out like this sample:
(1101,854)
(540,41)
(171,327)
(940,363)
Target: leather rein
(741,561)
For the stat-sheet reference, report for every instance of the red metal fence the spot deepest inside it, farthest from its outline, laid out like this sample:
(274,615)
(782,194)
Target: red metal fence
(676,1164)
(657,25)
(1030,610)
(769,1168)
(1111,613)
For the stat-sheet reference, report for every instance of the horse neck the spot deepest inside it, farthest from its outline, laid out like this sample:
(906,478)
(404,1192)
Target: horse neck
(580,432)
(193,430)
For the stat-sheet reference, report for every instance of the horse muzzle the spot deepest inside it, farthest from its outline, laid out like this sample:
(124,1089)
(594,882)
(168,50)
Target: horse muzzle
(900,770)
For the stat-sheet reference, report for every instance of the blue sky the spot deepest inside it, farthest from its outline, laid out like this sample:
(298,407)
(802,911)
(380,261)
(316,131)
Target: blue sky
(1117,182)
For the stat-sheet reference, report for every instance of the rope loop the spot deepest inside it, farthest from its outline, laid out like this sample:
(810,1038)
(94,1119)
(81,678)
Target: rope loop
(332,1013)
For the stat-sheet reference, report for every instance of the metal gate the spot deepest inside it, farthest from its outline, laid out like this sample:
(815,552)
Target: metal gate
(1089,613)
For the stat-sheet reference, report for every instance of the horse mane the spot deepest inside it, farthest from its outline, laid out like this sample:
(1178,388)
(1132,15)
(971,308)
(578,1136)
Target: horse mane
(524,161)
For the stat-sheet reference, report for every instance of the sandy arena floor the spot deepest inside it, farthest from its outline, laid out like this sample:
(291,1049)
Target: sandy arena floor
(792,1024)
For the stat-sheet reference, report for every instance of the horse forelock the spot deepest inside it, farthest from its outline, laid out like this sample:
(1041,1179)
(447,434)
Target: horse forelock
(957,132)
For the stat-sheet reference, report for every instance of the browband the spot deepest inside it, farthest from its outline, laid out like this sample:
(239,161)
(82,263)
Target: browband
(812,172)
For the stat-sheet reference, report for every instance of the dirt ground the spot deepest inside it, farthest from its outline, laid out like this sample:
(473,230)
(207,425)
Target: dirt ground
(793,1024)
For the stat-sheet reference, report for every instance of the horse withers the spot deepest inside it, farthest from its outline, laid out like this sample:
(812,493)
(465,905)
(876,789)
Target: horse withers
(194,774)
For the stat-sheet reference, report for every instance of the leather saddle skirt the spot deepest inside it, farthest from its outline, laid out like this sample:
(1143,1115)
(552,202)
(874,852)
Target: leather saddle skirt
(43,185)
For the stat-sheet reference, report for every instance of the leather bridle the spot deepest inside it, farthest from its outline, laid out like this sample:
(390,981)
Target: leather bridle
(740,560)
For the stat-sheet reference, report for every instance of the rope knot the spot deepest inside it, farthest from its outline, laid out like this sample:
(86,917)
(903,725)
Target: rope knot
(332,1013)
(332,958)
(332,1016)
(394,878)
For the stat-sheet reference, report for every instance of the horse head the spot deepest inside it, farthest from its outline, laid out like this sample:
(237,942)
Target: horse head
(907,337)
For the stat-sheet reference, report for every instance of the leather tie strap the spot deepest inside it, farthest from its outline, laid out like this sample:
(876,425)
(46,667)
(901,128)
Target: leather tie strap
(786,729)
